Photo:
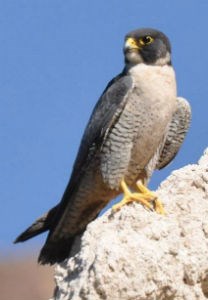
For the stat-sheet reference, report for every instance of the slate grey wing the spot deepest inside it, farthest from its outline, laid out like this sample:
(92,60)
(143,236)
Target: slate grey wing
(107,109)
(84,194)
(176,133)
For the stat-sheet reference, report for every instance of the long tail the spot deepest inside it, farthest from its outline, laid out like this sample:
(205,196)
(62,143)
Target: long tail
(55,251)
(52,252)
(40,225)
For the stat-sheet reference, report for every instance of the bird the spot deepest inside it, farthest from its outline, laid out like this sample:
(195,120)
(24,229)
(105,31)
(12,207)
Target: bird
(137,126)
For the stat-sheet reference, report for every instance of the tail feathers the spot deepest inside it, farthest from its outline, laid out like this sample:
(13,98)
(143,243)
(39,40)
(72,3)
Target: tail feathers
(40,225)
(55,251)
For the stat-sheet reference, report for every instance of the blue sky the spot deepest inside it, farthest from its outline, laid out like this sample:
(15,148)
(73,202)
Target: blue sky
(56,57)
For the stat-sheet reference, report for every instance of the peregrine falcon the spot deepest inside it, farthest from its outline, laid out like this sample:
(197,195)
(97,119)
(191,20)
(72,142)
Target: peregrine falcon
(137,126)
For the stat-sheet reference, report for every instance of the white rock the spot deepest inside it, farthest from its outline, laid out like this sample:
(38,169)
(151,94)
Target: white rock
(136,254)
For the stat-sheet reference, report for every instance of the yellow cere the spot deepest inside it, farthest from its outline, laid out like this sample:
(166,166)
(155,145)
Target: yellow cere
(130,42)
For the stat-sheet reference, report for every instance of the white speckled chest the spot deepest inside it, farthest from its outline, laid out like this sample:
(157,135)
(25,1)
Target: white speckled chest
(142,126)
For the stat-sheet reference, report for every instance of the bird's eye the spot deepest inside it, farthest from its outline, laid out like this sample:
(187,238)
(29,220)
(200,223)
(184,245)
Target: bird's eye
(146,40)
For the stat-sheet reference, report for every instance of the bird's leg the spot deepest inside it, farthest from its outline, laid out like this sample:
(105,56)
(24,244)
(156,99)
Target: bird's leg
(145,197)
(151,196)
(130,197)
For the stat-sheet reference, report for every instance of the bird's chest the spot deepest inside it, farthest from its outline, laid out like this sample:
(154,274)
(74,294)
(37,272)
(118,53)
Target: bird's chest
(135,137)
(153,101)
(153,92)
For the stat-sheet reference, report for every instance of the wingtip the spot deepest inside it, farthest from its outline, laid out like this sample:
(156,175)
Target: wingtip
(19,239)
(24,236)
(16,241)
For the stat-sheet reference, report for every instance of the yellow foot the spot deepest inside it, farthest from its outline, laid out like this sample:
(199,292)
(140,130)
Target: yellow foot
(151,196)
(145,197)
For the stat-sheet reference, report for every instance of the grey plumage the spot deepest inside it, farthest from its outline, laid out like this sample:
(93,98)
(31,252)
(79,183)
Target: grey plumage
(177,130)
(136,127)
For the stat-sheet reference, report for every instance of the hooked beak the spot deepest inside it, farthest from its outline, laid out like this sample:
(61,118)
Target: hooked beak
(131,45)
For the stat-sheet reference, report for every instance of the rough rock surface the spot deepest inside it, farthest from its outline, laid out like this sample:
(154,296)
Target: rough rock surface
(138,254)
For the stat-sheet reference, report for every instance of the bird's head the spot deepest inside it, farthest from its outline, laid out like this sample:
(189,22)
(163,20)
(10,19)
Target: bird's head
(148,46)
